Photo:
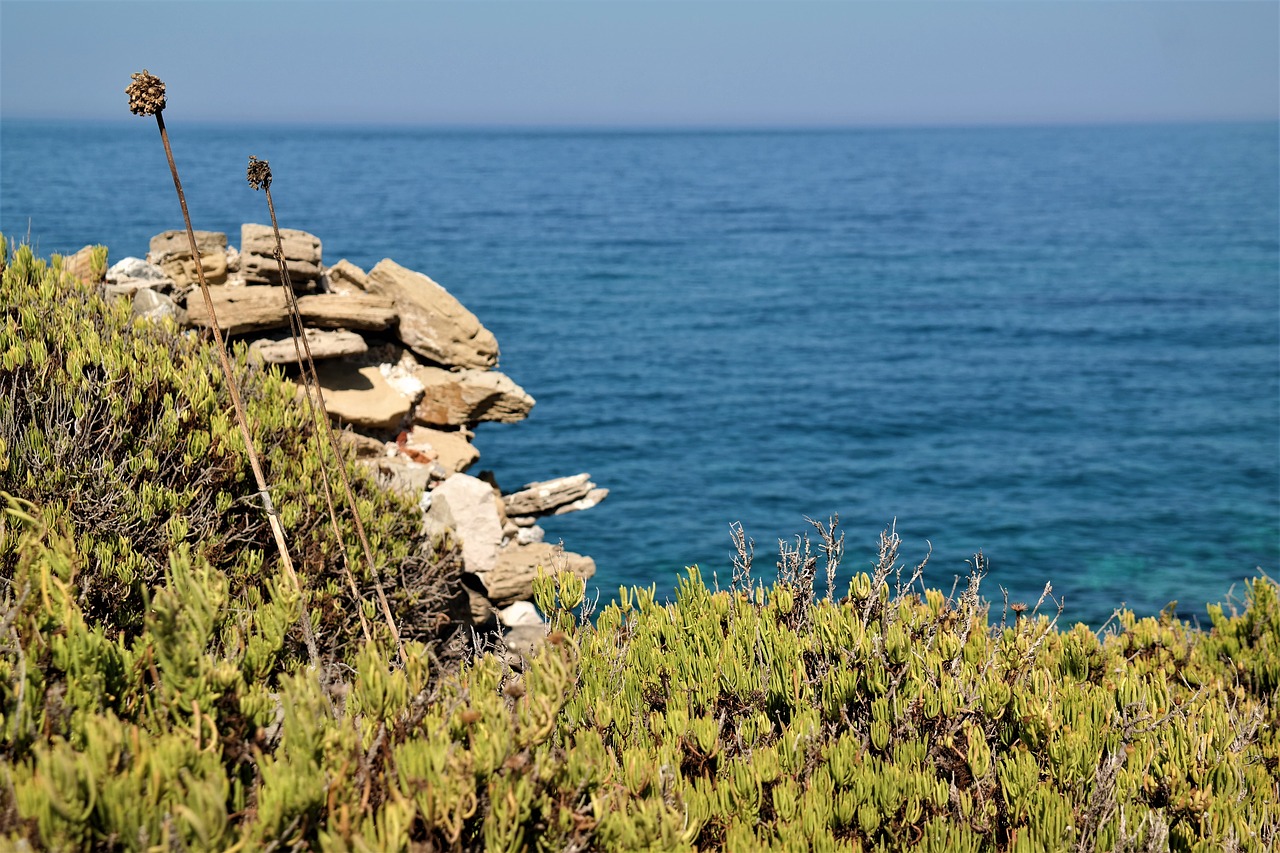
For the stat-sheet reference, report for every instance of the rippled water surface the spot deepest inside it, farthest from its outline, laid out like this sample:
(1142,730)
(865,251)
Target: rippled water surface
(1060,346)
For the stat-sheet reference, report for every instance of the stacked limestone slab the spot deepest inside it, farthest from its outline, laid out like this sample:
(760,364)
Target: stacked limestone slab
(404,366)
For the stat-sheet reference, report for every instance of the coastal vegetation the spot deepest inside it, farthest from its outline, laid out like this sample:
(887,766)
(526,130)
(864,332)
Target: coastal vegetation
(155,690)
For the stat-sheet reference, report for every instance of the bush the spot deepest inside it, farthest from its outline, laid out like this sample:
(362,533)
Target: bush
(119,430)
(718,721)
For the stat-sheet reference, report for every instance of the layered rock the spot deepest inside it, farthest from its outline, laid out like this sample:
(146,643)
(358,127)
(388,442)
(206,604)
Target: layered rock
(240,309)
(467,397)
(553,497)
(302,256)
(360,312)
(516,566)
(361,396)
(450,450)
(171,252)
(319,342)
(433,323)
(407,367)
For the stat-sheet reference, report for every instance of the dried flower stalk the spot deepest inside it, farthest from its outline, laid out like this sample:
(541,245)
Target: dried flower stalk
(147,97)
(259,176)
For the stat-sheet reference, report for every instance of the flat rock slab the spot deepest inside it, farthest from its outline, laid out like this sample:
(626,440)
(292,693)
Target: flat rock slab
(258,264)
(361,396)
(463,397)
(548,496)
(402,475)
(516,566)
(361,312)
(450,450)
(240,309)
(323,344)
(432,322)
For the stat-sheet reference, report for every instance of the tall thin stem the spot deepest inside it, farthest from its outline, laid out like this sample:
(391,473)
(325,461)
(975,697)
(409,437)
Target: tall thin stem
(273,516)
(260,175)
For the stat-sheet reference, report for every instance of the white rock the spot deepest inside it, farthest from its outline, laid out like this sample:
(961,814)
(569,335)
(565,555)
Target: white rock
(520,613)
(469,506)
(131,268)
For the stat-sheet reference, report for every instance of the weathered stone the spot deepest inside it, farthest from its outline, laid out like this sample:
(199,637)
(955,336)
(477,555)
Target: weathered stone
(402,475)
(151,305)
(546,496)
(524,641)
(398,366)
(520,613)
(124,290)
(529,535)
(469,507)
(136,269)
(357,311)
(171,251)
(462,397)
(516,566)
(451,450)
(80,265)
(360,396)
(432,322)
(593,497)
(302,254)
(240,309)
(345,277)
(323,344)
(364,445)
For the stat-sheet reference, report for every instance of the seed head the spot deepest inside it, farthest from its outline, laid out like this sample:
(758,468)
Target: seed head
(146,94)
(259,173)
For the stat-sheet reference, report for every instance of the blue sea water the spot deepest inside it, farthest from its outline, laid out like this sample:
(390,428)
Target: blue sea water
(1058,345)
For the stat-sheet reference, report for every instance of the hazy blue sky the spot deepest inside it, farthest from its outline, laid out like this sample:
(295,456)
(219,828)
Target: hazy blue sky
(647,62)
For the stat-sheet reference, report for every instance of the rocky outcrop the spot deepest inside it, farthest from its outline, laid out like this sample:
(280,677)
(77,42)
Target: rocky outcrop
(361,396)
(467,397)
(433,323)
(450,450)
(515,567)
(320,343)
(407,370)
(553,497)
(240,309)
(171,252)
(361,312)
(302,256)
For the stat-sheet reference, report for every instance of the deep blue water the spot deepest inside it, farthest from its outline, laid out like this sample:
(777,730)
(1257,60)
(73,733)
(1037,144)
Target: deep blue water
(1057,345)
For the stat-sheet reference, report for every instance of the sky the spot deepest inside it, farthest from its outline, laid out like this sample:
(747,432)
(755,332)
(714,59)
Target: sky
(648,63)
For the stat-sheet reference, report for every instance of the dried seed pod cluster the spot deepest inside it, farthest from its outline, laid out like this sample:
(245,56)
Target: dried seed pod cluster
(259,173)
(146,94)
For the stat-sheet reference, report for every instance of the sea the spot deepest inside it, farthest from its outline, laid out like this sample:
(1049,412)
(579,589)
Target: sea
(1057,346)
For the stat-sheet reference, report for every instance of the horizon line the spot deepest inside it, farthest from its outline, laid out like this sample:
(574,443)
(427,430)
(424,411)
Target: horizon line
(664,127)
